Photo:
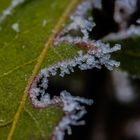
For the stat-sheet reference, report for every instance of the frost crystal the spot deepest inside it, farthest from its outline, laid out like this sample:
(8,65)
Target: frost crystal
(96,55)
(133,30)
(8,11)
(15,27)
(80,22)
(73,113)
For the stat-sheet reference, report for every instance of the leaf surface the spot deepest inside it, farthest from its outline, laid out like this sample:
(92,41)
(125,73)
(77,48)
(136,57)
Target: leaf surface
(21,58)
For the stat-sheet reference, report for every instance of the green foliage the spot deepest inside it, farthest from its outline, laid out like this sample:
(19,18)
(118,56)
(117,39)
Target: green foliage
(4,4)
(18,55)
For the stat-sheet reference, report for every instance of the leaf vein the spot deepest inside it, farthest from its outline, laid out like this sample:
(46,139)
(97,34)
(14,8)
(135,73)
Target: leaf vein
(40,60)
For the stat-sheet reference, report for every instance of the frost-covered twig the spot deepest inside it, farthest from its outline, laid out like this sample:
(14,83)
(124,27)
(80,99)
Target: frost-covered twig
(95,57)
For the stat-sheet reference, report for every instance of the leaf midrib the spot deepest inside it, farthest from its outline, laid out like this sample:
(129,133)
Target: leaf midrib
(40,60)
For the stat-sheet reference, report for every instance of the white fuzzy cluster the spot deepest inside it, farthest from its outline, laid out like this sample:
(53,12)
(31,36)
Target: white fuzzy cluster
(9,10)
(80,22)
(74,111)
(97,56)
(128,7)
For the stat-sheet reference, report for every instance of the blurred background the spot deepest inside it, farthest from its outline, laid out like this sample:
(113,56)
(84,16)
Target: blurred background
(115,114)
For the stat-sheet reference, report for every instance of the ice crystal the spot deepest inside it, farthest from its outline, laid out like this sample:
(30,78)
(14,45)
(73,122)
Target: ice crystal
(74,111)
(80,22)
(8,11)
(97,56)
(128,7)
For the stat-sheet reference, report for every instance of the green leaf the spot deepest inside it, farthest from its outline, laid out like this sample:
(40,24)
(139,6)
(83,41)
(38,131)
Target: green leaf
(4,4)
(20,52)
